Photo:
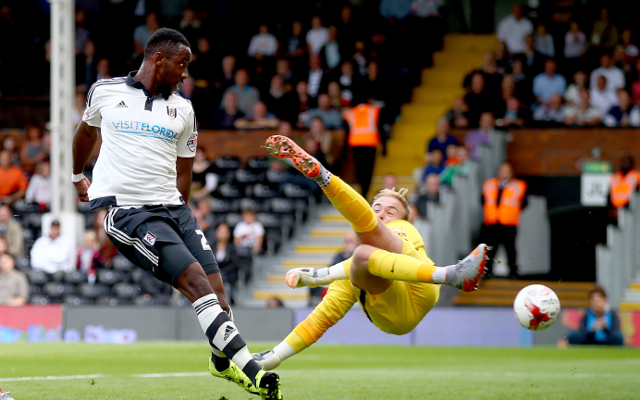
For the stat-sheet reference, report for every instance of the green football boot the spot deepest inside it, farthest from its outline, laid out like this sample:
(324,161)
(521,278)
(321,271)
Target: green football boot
(268,383)
(235,374)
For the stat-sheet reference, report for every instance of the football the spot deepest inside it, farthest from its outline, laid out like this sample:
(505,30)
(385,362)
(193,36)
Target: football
(536,307)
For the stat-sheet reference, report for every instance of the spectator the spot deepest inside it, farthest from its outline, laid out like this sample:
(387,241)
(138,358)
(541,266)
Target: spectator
(601,98)
(86,65)
(620,114)
(332,53)
(443,137)
(574,42)
(39,189)
(263,44)
(295,45)
(283,69)
(503,197)
(204,180)
(82,33)
(533,59)
(360,58)
(548,83)
(247,96)
(349,84)
(317,36)
(103,69)
(33,150)
(14,288)
(551,114)
(544,41)
(261,118)
(107,249)
(458,116)
(435,163)
(274,302)
(634,116)
(227,258)
(208,219)
(350,242)
(52,253)
(513,29)
(226,115)
(142,33)
(302,103)
(604,35)
(200,68)
(374,86)
(630,49)
(620,60)
(190,26)
(335,95)
(460,168)
(635,82)
(324,138)
(277,99)
(600,324)
(503,58)
(13,184)
(583,114)
(11,231)
(363,139)
(9,144)
(225,78)
(514,116)
(389,181)
(479,136)
(572,94)
(623,183)
(315,76)
(89,254)
(614,75)
(426,194)
(522,81)
(331,117)
(477,99)
(395,9)
(249,232)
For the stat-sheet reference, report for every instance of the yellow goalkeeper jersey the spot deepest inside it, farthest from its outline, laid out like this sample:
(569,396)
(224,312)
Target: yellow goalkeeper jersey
(397,311)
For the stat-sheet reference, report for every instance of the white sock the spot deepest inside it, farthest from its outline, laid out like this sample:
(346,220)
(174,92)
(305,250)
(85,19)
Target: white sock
(284,350)
(439,275)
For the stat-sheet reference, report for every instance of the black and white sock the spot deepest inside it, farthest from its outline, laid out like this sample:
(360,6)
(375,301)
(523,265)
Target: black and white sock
(223,335)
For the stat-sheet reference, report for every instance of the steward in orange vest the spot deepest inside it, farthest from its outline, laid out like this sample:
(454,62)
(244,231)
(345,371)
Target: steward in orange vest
(623,183)
(364,137)
(503,198)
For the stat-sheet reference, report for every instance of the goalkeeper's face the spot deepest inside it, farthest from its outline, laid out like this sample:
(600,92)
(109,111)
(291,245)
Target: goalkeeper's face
(389,209)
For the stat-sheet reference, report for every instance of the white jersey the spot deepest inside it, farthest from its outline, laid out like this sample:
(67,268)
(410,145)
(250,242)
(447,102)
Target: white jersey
(142,136)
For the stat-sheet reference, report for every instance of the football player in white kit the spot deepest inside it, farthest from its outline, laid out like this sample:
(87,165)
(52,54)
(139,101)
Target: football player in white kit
(143,176)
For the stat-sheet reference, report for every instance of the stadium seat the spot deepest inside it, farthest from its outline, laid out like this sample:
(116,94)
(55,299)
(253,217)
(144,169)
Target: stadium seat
(22,207)
(39,300)
(91,291)
(136,275)
(274,176)
(268,220)
(35,219)
(228,191)
(293,191)
(37,277)
(23,264)
(250,204)
(258,164)
(111,301)
(125,290)
(35,289)
(58,276)
(220,206)
(232,219)
(262,191)
(56,290)
(179,302)
(74,300)
(27,234)
(245,176)
(272,240)
(121,263)
(109,277)
(75,277)
(280,205)
(225,167)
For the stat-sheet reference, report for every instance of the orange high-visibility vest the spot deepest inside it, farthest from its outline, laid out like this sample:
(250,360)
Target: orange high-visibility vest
(508,211)
(622,186)
(363,125)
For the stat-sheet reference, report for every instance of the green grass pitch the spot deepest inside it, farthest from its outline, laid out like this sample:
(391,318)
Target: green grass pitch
(323,372)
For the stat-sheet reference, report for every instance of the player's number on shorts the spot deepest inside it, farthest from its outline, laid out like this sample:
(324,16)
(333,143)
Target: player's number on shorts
(203,240)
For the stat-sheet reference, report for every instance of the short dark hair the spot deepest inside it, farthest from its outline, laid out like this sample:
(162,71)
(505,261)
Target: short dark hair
(599,290)
(165,40)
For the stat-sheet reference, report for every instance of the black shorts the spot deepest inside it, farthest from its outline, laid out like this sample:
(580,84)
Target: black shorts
(139,232)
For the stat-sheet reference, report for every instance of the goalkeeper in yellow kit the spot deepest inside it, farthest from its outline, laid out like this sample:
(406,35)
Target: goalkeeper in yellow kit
(389,272)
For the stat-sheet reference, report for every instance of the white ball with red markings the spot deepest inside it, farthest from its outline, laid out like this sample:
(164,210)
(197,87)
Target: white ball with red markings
(536,307)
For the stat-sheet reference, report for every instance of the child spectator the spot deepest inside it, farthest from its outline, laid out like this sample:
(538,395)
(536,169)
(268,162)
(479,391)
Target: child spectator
(600,324)
(89,254)
(249,232)
(572,94)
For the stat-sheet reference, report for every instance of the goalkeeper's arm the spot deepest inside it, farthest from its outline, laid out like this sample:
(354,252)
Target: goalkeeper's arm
(338,300)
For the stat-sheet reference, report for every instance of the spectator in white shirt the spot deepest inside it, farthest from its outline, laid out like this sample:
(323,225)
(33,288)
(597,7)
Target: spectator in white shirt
(574,41)
(263,44)
(544,41)
(583,114)
(572,94)
(249,232)
(52,253)
(602,98)
(39,190)
(317,36)
(513,29)
(315,76)
(614,75)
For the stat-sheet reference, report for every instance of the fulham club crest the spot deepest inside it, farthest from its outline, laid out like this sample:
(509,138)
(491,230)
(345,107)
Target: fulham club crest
(172,112)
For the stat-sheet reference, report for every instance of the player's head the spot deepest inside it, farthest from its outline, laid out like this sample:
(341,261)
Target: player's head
(390,205)
(170,52)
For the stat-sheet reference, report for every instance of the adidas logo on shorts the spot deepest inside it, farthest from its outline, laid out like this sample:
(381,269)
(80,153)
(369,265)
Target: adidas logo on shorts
(228,331)
(122,105)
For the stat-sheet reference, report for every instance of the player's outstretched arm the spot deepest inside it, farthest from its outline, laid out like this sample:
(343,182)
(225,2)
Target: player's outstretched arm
(83,143)
(337,302)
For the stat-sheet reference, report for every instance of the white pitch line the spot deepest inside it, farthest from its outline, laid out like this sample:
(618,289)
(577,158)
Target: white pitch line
(169,374)
(52,378)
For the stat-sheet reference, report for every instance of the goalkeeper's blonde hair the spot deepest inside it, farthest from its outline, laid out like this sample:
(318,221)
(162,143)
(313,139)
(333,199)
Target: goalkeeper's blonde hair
(400,195)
